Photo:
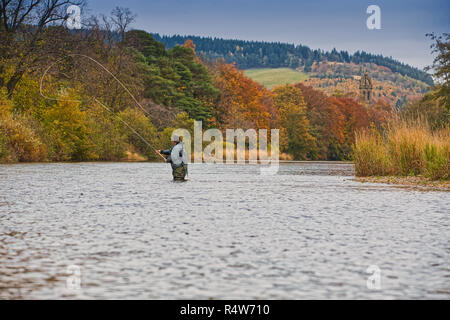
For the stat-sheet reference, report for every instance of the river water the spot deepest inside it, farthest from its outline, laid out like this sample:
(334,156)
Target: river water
(125,231)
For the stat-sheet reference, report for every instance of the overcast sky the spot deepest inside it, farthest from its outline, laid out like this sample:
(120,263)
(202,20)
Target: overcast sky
(323,24)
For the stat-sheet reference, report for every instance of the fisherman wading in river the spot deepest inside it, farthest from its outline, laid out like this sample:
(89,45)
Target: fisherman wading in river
(177,157)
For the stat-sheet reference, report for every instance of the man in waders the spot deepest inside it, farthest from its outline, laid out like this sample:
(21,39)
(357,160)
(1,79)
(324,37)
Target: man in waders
(177,157)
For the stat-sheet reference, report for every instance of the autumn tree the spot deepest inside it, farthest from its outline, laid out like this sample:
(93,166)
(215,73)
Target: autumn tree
(441,67)
(190,44)
(243,103)
(380,112)
(67,127)
(119,61)
(355,117)
(139,122)
(27,35)
(326,121)
(294,125)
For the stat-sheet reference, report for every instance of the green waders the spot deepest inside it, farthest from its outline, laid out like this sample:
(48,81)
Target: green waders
(179,174)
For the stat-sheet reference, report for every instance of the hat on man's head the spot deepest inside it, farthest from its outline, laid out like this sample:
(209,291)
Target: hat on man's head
(175,138)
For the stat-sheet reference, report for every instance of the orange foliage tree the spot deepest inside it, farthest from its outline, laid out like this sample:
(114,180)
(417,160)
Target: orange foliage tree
(190,44)
(244,103)
(335,119)
(355,117)
(327,122)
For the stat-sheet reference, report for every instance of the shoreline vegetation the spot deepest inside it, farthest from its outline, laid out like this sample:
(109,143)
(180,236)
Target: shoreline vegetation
(51,101)
(173,88)
(407,153)
(413,148)
(406,148)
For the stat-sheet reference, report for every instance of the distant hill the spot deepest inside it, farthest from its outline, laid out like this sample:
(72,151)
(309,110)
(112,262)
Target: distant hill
(344,78)
(271,78)
(257,54)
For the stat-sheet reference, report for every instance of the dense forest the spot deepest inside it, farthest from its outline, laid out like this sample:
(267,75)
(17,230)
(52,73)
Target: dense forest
(257,54)
(66,96)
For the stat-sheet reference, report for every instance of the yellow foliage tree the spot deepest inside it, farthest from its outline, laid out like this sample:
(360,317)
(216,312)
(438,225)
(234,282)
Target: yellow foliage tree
(67,127)
(294,125)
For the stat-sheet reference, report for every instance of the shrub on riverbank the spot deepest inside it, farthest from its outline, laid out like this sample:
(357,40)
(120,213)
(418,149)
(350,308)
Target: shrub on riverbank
(68,132)
(19,142)
(405,148)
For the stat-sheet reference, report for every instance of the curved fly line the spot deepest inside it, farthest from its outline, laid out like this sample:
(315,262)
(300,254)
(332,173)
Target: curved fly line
(100,103)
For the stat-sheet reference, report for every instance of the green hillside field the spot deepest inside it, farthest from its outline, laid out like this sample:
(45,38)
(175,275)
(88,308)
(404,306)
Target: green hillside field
(271,78)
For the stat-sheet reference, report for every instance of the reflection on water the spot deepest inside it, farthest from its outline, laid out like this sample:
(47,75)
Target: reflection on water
(227,233)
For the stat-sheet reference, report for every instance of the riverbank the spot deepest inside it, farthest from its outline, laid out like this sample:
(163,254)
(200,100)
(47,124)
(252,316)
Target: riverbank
(416,182)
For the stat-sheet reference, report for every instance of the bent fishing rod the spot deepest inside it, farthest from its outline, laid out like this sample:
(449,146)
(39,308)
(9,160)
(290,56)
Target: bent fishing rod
(101,104)
(131,128)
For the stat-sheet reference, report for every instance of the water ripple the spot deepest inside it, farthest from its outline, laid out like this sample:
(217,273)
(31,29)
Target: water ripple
(228,233)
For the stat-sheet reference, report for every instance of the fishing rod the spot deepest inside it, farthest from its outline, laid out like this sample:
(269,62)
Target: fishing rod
(101,66)
(101,104)
(131,128)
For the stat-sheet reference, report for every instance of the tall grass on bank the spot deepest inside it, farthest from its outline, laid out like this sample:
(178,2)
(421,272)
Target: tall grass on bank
(405,148)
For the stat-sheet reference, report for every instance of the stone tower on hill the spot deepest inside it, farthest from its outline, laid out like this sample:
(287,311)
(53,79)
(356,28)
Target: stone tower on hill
(365,88)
